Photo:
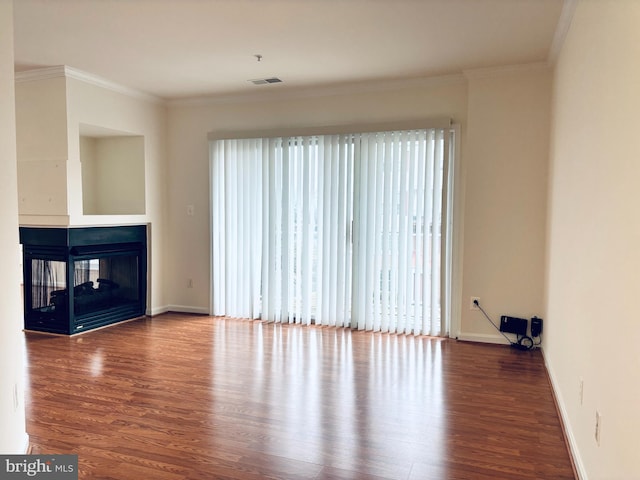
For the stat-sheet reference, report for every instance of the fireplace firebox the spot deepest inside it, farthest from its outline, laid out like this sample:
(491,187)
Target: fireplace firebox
(77,279)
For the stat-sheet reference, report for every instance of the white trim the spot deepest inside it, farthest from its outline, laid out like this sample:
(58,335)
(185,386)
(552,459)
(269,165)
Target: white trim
(211,266)
(152,312)
(318,91)
(573,445)
(336,129)
(562,28)
(177,309)
(70,72)
(457,229)
(40,74)
(483,338)
(25,443)
(78,221)
(503,70)
(108,220)
(187,309)
(109,85)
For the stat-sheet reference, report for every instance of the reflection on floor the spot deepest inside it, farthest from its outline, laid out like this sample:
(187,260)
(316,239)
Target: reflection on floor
(194,397)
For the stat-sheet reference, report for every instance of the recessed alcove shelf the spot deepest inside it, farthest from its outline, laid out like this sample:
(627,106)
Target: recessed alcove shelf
(113,171)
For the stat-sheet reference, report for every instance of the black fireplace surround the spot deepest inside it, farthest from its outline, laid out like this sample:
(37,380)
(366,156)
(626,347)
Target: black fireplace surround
(106,268)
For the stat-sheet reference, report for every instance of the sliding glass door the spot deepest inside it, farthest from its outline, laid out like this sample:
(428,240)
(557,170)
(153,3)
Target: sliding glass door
(341,230)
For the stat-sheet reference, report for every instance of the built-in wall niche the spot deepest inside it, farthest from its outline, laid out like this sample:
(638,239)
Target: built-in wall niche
(113,175)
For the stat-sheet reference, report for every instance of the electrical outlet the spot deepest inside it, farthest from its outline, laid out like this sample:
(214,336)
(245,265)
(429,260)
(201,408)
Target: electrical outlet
(581,390)
(472,305)
(191,210)
(598,427)
(190,283)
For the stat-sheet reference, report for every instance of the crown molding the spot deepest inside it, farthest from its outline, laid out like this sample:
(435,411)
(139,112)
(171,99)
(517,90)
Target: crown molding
(109,85)
(562,28)
(44,73)
(69,72)
(319,91)
(500,71)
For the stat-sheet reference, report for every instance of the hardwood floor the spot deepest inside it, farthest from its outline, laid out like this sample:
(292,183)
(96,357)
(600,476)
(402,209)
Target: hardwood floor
(193,397)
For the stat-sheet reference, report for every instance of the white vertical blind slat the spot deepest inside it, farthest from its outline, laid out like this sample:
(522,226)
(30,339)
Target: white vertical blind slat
(297,203)
(264,199)
(349,232)
(403,235)
(240,237)
(422,271)
(275,193)
(359,242)
(373,204)
(341,238)
(321,210)
(218,215)
(386,229)
(414,261)
(395,225)
(325,237)
(437,209)
(306,258)
(232,229)
(286,237)
(377,227)
(429,231)
(333,238)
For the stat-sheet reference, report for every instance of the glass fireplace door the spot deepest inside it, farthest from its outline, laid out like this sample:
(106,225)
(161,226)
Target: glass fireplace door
(47,290)
(106,283)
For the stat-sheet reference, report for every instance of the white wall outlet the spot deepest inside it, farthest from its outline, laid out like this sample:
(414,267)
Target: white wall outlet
(581,390)
(598,427)
(189,282)
(191,210)
(472,305)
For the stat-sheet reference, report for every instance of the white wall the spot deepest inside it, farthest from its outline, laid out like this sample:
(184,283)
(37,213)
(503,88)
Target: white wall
(189,157)
(594,237)
(89,174)
(113,175)
(89,104)
(13,438)
(504,151)
(506,159)
(41,118)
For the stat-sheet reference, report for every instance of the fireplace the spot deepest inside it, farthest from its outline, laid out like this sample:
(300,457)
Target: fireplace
(77,279)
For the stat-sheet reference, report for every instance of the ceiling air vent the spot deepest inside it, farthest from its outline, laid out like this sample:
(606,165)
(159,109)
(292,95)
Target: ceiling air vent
(264,81)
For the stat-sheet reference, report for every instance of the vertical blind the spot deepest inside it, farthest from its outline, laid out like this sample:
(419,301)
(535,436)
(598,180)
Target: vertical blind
(341,230)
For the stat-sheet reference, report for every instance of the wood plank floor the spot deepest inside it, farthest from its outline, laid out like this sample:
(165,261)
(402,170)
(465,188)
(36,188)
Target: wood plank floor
(195,397)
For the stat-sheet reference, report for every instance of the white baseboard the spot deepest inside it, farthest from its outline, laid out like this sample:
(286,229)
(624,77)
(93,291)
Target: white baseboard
(573,446)
(157,311)
(188,309)
(177,308)
(483,338)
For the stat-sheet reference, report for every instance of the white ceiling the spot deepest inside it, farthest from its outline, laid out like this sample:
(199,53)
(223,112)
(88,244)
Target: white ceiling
(188,48)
